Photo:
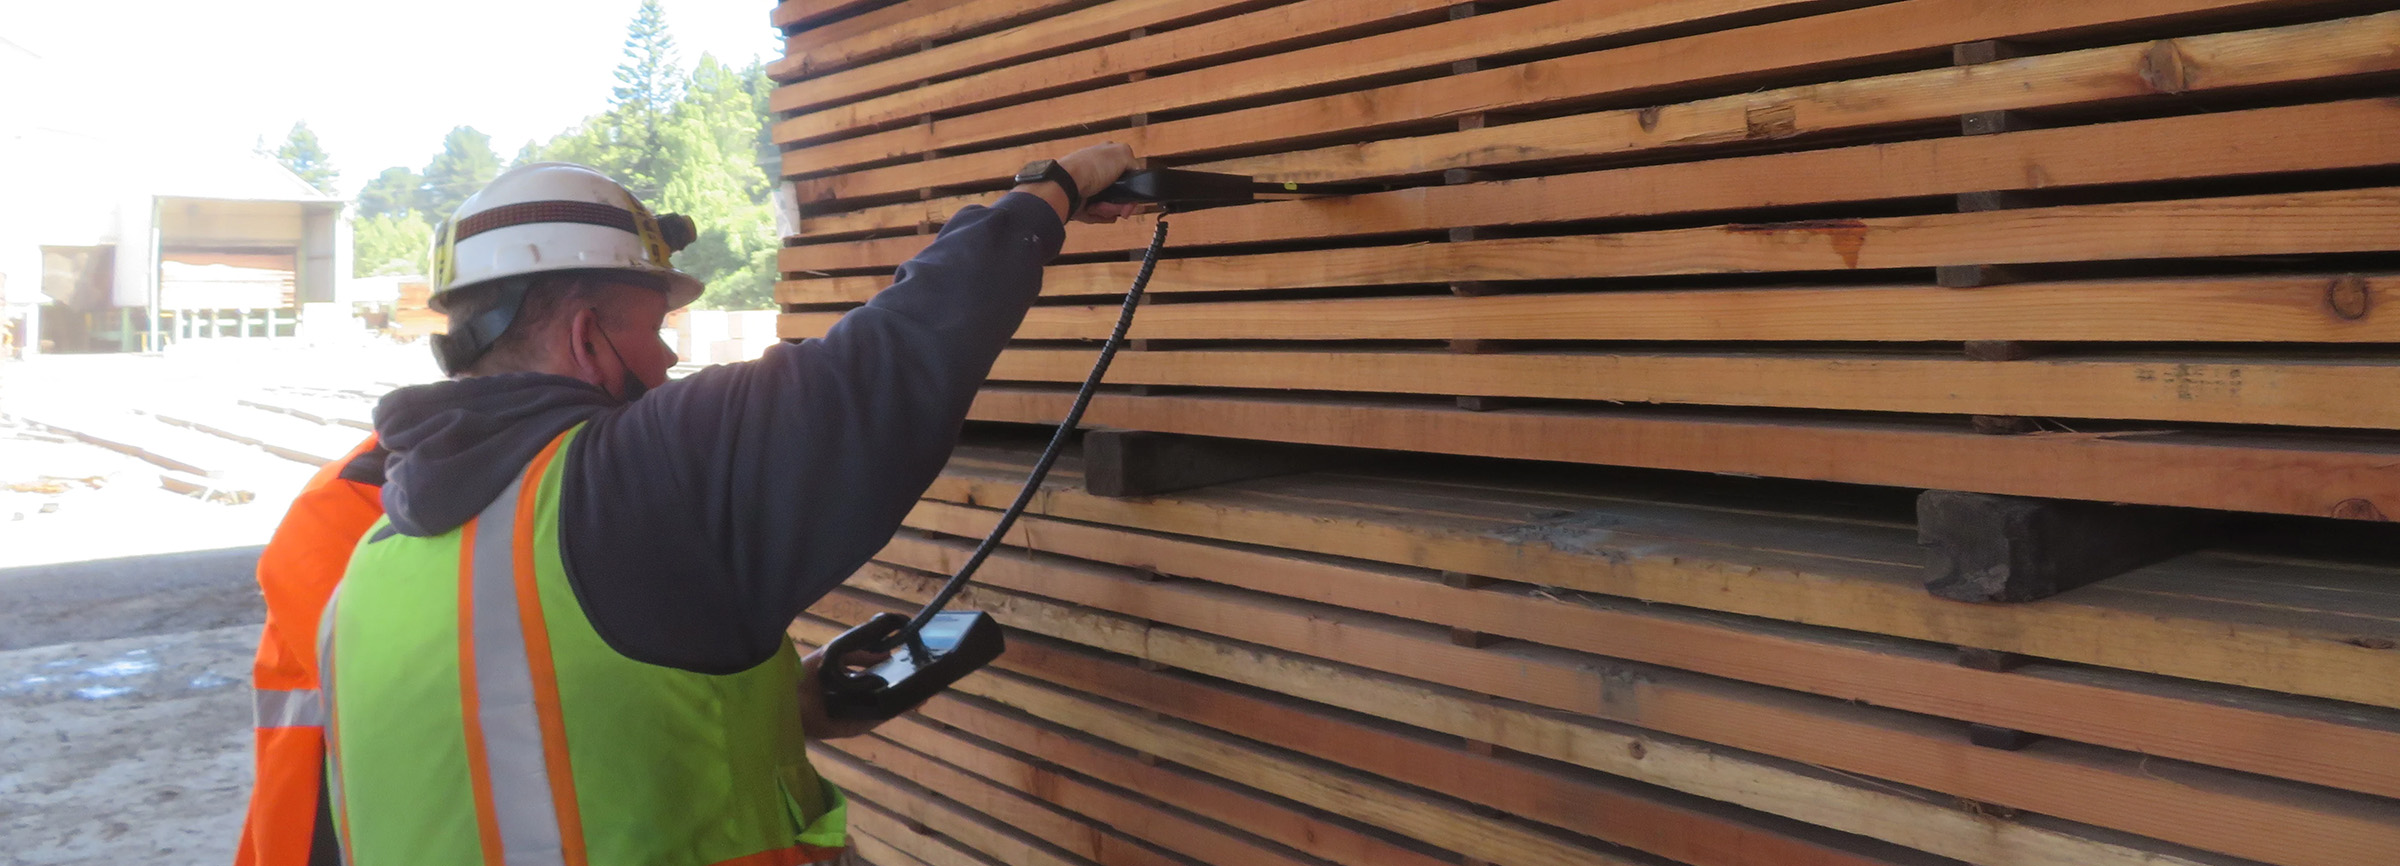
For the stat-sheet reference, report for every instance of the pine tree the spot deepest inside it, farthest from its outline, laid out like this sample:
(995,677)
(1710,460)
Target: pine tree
(465,164)
(392,193)
(649,84)
(307,158)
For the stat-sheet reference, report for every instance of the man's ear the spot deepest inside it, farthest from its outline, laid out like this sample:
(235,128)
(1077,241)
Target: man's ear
(583,347)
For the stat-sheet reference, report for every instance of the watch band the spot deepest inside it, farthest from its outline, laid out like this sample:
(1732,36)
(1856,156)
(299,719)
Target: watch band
(1051,171)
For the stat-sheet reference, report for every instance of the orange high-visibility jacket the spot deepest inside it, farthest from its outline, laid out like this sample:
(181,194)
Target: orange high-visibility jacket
(298,571)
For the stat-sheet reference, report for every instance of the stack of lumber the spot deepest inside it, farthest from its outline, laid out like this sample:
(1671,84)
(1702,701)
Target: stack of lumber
(1698,258)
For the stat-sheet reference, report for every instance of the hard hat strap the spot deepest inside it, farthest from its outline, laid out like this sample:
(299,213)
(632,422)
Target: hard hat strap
(469,340)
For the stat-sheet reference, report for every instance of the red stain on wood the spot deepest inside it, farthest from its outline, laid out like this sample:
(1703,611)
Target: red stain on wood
(1847,236)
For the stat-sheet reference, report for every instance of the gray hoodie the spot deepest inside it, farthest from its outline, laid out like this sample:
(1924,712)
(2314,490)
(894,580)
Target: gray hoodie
(700,519)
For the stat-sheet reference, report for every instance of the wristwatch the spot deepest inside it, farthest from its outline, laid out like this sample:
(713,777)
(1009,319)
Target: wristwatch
(1048,169)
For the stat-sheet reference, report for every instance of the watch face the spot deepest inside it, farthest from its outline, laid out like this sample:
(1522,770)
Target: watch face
(1035,170)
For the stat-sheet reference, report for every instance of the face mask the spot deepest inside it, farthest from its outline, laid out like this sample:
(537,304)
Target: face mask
(631,385)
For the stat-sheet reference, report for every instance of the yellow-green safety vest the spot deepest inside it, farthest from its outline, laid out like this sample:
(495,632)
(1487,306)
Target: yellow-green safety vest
(477,717)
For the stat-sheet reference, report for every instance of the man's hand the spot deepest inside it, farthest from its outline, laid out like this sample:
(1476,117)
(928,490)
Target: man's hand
(815,722)
(1093,169)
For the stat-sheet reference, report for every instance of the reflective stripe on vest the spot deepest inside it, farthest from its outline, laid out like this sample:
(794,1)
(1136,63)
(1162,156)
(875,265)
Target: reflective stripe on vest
(524,786)
(287,708)
(490,777)
(333,756)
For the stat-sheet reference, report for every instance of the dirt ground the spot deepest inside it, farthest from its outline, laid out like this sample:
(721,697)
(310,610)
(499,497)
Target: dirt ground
(128,614)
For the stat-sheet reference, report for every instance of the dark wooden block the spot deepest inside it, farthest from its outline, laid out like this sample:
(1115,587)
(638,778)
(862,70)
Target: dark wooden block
(1995,737)
(1986,51)
(1471,638)
(1971,276)
(2003,425)
(1991,200)
(1992,123)
(1463,580)
(1996,661)
(1142,463)
(1992,548)
(2004,350)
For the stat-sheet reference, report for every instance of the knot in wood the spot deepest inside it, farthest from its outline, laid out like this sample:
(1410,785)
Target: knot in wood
(2358,509)
(2348,298)
(2164,69)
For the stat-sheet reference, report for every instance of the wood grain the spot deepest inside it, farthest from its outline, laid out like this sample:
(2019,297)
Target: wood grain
(1854,805)
(2282,823)
(898,28)
(2361,754)
(2307,477)
(1669,825)
(1301,23)
(1108,21)
(1331,839)
(804,13)
(2231,143)
(2176,619)
(1419,48)
(2306,393)
(1736,61)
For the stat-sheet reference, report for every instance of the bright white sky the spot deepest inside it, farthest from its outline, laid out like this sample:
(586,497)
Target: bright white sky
(379,82)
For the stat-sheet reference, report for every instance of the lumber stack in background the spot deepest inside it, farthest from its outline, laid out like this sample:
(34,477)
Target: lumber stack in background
(1720,253)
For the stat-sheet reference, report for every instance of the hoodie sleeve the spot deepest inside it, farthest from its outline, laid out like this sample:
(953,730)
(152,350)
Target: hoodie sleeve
(701,519)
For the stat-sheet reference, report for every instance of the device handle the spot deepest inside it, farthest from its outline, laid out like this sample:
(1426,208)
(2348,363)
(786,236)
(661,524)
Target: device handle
(867,636)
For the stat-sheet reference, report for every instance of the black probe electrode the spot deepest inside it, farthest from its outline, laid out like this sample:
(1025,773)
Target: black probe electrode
(937,647)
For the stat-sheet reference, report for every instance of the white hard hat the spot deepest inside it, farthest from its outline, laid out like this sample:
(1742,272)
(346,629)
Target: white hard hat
(557,216)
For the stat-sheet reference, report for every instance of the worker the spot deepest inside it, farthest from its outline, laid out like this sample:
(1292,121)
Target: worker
(288,822)
(565,642)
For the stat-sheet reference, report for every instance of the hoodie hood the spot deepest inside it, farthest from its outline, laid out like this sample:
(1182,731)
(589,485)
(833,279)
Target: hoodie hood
(455,445)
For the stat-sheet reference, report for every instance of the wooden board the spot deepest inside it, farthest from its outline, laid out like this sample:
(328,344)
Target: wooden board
(1103,22)
(1835,573)
(2276,822)
(1683,829)
(1874,809)
(2315,477)
(898,28)
(1303,22)
(1735,60)
(2326,309)
(1022,810)
(2115,153)
(953,763)
(2301,392)
(1630,372)
(1415,49)
(2296,744)
(993,838)
(791,14)
(1270,817)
